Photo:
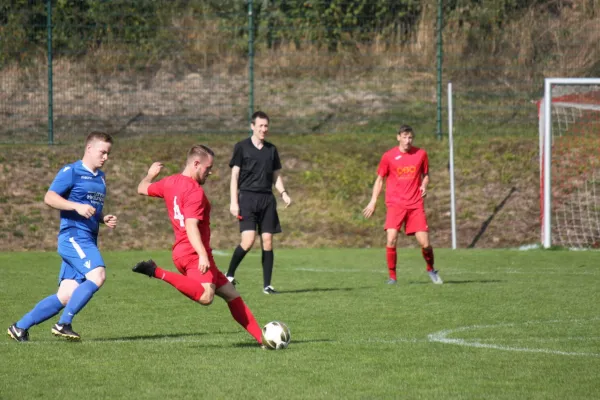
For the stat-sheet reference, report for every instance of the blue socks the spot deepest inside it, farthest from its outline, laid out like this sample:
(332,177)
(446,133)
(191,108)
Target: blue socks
(79,299)
(43,310)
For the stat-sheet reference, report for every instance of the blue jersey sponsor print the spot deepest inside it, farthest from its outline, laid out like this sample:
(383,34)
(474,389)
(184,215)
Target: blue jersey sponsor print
(75,182)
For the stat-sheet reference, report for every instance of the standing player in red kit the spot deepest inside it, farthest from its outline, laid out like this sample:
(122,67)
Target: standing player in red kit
(189,212)
(406,171)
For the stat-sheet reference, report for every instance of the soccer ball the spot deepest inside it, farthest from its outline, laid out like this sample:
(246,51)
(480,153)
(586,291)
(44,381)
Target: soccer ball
(276,335)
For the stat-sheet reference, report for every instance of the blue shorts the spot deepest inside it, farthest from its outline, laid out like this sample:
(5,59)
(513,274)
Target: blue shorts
(80,255)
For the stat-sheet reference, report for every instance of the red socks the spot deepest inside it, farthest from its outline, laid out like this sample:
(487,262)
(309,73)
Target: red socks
(189,287)
(242,314)
(428,256)
(392,257)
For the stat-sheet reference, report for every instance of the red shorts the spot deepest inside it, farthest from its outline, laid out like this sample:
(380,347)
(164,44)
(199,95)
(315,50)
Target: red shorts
(188,266)
(414,220)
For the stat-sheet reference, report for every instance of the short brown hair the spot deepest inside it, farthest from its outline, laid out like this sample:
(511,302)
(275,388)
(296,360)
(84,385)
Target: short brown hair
(261,115)
(405,129)
(97,135)
(201,151)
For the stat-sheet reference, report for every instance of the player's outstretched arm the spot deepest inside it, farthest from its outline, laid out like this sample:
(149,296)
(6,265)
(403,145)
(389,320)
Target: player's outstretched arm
(153,172)
(370,208)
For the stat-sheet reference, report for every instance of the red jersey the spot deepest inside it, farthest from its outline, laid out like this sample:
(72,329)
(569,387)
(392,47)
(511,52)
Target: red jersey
(403,173)
(184,198)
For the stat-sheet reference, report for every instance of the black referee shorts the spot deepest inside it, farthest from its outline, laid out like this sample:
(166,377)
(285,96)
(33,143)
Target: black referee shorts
(258,210)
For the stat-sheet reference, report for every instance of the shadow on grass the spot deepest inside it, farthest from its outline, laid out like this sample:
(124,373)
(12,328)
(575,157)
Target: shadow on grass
(147,337)
(456,282)
(293,343)
(317,290)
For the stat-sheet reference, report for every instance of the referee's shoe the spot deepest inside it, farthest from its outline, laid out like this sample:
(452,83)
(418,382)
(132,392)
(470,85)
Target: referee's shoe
(269,290)
(231,279)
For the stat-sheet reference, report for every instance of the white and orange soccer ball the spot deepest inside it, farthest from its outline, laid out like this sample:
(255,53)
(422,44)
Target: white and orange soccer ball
(276,335)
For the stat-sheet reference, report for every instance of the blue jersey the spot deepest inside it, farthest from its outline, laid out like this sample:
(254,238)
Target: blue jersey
(78,184)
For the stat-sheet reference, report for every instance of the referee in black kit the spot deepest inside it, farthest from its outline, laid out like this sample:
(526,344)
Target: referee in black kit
(255,166)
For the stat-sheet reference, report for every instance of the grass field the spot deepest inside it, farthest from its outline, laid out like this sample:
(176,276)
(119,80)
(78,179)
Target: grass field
(506,324)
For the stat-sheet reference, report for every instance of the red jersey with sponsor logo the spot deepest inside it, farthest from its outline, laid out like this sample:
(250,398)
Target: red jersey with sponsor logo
(184,198)
(404,175)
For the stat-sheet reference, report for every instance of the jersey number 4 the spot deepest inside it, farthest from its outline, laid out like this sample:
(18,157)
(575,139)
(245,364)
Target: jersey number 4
(177,213)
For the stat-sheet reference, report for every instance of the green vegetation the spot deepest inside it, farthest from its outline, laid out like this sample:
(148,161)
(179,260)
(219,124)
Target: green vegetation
(143,34)
(329,177)
(505,325)
(162,75)
(333,24)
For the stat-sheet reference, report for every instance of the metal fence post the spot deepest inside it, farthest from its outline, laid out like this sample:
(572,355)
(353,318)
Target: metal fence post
(50,91)
(439,67)
(250,61)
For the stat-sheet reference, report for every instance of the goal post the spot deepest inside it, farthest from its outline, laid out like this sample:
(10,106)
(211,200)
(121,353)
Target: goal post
(569,129)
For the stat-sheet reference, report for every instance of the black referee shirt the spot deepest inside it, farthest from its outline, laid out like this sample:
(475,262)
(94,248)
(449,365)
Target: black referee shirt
(256,166)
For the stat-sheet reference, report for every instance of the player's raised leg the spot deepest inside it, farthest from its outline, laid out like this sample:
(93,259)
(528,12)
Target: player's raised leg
(186,286)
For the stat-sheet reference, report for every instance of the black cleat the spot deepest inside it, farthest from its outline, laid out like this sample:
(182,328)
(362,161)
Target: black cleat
(18,334)
(145,267)
(270,290)
(231,279)
(66,331)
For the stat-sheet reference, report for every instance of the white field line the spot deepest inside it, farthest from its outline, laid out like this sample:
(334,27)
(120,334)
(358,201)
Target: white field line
(545,340)
(437,337)
(536,271)
(449,271)
(336,270)
(442,337)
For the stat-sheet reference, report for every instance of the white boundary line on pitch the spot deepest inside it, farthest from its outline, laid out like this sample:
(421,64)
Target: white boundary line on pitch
(542,340)
(442,337)
(436,337)
(339,270)
(536,271)
(450,271)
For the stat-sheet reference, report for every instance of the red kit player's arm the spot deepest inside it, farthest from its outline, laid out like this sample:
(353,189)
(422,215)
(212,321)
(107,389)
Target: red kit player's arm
(145,183)
(193,210)
(193,233)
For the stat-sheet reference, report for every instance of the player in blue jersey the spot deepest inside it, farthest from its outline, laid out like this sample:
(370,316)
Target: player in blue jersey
(78,191)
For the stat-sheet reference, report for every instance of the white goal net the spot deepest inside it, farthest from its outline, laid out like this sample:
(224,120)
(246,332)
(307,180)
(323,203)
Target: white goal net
(569,119)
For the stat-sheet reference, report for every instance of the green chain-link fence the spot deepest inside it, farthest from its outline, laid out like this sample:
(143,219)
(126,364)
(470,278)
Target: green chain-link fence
(140,67)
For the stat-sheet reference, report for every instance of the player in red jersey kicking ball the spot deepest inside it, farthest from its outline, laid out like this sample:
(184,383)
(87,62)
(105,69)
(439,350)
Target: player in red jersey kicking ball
(405,169)
(189,212)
